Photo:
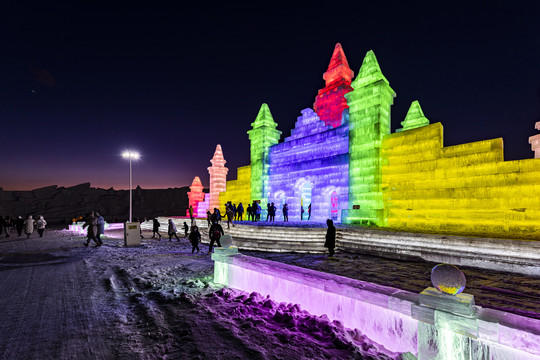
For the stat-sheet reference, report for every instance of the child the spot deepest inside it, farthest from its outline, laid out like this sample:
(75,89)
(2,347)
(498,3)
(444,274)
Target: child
(186,228)
(195,238)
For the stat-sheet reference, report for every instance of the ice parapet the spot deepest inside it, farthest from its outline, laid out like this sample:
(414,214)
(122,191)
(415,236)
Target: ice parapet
(448,279)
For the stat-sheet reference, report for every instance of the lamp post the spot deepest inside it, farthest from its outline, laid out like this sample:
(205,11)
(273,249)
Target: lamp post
(131,155)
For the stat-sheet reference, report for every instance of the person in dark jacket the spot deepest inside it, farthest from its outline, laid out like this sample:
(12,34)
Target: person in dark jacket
(8,224)
(100,227)
(186,229)
(91,223)
(285,212)
(155,229)
(19,224)
(240,211)
(330,242)
(195,238)
(214,233)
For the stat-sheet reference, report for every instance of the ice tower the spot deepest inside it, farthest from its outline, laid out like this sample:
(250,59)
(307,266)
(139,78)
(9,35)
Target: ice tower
(415,118)
(262,135)
(369,120)
(535,142)
(195,195)
(330,101)
(218,177)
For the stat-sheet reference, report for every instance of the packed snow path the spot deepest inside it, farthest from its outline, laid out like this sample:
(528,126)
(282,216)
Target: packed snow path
(61,300)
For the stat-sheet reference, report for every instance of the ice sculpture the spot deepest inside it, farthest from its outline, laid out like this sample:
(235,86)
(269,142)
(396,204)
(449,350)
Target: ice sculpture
(448,279)
(535,142)
(218,177)
(415,118)
(330,101)
(369,120)
(202,207)
(310,167)
(226,241)
(196,195)
(262,135)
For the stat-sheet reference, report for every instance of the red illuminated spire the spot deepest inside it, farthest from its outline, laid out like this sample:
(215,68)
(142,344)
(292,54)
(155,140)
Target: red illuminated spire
(330,101)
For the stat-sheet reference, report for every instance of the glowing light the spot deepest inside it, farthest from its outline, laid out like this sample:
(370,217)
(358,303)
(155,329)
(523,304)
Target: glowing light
(133,155)
(218,177)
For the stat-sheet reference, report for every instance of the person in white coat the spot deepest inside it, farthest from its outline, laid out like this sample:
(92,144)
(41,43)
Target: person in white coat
(29,226)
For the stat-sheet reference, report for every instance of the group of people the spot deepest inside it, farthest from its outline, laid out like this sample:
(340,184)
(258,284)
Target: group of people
(215,232)
(96,227)
(8,223)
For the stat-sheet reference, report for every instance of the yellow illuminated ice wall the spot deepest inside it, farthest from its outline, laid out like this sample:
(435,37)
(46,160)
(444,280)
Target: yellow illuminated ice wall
(464,189)
(239,190)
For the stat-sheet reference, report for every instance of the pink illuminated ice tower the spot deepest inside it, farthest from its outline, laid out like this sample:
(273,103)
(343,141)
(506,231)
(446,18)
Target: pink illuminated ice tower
(218,178)
(195,195)
(330,101)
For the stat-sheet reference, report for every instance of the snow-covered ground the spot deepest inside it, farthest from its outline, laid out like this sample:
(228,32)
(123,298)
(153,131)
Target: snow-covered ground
(61,300)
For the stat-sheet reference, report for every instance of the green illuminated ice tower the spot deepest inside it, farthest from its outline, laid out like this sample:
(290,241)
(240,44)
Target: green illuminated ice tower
(369,120)
(262,135)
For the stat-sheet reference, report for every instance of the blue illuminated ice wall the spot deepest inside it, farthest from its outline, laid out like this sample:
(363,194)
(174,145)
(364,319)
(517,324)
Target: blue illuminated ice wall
(311,167)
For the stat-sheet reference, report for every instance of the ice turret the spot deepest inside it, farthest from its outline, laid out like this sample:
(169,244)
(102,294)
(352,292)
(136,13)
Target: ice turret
(415,118)
(218,177)
(535,142)
(330,101)
(195,195)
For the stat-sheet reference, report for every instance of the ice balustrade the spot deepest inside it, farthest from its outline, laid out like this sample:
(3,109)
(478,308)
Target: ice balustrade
(430,325)
(464,189)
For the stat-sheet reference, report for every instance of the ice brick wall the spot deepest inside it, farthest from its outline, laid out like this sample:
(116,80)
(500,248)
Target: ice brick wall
(466,189)
(239,190)
(196,195)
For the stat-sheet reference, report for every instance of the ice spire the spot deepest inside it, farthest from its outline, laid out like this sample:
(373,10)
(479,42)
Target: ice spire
(218,177)
(415,118)
(369,72)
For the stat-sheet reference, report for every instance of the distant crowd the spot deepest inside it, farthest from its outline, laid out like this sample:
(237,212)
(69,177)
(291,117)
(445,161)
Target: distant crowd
(28,225)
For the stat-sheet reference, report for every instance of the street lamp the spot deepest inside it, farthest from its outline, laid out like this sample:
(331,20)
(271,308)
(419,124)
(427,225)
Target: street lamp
(131,155)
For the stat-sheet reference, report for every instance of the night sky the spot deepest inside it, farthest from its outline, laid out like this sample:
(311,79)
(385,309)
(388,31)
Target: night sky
(79,84)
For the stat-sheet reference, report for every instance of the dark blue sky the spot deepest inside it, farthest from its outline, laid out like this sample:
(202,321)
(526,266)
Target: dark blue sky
(80,83)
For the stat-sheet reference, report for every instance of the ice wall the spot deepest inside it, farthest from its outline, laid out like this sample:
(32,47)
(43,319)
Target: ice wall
(466,189)
(202,207)
(239,190)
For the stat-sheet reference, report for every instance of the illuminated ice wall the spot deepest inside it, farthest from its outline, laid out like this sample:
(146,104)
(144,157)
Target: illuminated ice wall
(196,195)
(463,189)
(330,101)
(262,135)
(369,120)
(218,177)
(239,190)
(202,207)
(310,167)
(535,142)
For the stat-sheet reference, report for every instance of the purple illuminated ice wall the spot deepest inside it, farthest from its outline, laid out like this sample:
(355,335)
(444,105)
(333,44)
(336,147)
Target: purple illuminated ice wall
(311,167)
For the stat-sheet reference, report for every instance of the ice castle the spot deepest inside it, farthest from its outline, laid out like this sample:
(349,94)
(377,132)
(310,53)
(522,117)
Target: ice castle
(342,159)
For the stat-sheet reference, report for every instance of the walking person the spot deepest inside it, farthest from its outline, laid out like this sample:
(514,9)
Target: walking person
(29,226)
(248,210)
(8,223)
(40,224)
(2,224)
(172,230)
(330,242)
(309,212)
(258,212)
(230,215)
(186,229)
(285,212)
(268,211)
(100,227)
(301,212)
(191,214)
(155,229)
(19,225)
(214,233)
(209,217)
(195,238)
(91,223)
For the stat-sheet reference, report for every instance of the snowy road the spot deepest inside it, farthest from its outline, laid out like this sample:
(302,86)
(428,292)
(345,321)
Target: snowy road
(61,300)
